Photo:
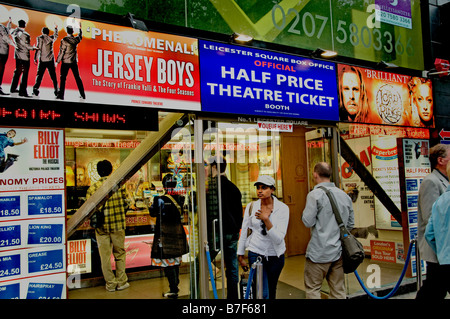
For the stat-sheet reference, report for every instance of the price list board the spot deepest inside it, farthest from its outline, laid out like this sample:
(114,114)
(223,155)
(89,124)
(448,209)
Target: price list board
(416,165)
(32,214)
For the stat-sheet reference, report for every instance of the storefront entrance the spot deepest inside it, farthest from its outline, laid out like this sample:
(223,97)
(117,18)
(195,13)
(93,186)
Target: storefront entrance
(181,157)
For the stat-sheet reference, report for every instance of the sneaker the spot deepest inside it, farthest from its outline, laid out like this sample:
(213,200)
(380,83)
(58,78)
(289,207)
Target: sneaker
(124,286)
(110,289)
(172,295)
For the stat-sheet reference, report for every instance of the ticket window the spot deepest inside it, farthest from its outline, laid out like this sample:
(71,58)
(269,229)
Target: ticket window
(84,148)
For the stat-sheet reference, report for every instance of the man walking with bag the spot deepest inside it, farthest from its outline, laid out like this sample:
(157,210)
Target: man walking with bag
(323,254)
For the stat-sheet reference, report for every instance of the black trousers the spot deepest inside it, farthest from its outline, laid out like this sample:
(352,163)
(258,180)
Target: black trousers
(22,69)
(173,276)
(50,66)
(65,67)
(3,59)
(437,283)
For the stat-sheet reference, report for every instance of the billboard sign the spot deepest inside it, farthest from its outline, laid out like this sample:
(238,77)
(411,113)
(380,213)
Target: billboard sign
(379,97)
(242,80)
(96,62)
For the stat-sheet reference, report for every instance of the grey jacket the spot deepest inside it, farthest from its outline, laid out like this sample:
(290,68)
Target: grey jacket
(433,186)
(5,40)
(45,47)
(22,42)
(325,243)
(68,49)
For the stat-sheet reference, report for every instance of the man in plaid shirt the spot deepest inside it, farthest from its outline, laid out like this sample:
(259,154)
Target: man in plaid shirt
(111,235)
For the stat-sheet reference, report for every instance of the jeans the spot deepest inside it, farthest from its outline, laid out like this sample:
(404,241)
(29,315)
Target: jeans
(230,242)
(231,264)
(272,267)
(437,283)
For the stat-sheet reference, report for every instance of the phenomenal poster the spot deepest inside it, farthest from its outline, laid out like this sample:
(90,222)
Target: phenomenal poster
(241,80)
(378,97)
(32,213)
(97,62)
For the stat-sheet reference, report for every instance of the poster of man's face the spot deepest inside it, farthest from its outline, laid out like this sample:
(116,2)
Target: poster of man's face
(379,97)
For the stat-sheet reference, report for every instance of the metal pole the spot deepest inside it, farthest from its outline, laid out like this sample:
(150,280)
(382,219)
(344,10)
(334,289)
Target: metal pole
(418,265)
(259,279)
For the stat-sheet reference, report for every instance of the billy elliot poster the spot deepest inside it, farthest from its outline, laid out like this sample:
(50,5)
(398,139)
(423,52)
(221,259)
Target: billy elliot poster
(95,62)
(32,214)
(241,80)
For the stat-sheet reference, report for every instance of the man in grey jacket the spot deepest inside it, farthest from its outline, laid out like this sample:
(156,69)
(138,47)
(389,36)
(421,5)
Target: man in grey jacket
(432,186)
(5,42)
(323,254)
(22,54)
(46,59)
(68,56)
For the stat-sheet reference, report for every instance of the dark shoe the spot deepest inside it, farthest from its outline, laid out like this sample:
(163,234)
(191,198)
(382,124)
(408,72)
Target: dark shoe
(24,94)
(14,91)
(59,97)
(56,92)
(12,157)
(35,92)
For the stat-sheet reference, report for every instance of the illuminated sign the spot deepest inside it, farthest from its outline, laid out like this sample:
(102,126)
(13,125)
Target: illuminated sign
(254,82)
(378,97)
(81,115)
(117,65)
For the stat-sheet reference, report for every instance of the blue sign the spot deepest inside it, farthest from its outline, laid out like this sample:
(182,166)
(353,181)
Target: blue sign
(10,236)
(44,291)
(10,291)
(9,265)
(9,206)
(44,204)
(43,234)
(248,81)
(45,261)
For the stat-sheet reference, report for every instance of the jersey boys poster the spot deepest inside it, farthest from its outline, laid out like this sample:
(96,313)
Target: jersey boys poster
(378,97)
(97,62)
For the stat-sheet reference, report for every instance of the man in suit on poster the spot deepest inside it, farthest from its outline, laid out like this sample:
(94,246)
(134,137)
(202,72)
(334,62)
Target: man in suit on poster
(46,59)
(68,56)
(22,54)
(5,42)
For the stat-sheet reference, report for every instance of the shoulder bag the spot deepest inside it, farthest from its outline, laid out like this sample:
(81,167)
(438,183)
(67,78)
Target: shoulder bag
(352,250)
(249,229)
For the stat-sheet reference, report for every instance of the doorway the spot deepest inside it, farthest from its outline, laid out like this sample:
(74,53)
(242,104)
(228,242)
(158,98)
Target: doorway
(288,157)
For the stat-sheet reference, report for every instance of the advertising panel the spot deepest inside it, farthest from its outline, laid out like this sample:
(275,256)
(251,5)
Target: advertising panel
(97,62)
(394,12)
(351,28)
(416,165)
(32,213)
(248,81)
(385,170)
(379,97)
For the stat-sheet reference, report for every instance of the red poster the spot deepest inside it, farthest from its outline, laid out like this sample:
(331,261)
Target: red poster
(116,65)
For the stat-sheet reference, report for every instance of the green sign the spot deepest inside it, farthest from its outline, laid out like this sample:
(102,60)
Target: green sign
(348,27)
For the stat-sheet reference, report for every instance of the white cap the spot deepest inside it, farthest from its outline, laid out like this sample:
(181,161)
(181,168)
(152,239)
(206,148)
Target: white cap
(266,180)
